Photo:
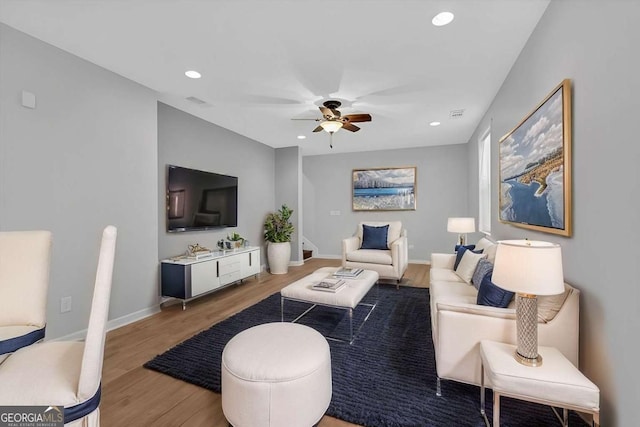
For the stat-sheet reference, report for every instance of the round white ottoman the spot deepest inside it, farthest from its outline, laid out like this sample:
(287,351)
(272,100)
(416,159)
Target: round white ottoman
(276,374)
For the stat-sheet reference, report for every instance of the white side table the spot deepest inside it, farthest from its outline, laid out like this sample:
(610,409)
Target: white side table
(556,383)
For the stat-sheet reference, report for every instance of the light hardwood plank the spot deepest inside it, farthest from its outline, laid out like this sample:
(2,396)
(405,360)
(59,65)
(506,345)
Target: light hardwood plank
(135,396)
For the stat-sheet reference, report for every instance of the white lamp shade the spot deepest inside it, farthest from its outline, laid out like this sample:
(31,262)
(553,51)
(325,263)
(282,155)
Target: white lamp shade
(331,126)
(529,267)
(461,225)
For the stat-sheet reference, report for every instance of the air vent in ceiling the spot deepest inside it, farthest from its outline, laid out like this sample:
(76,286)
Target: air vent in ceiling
(456,114)
(195,100)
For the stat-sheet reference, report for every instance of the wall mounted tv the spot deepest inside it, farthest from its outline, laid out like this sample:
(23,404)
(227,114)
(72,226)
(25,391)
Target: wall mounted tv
(199,200)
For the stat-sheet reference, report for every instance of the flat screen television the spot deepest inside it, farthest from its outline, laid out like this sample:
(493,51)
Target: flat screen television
(199,200)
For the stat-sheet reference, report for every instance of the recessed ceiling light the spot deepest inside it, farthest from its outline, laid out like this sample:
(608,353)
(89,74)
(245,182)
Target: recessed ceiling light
(434,124)
(192,74)
(443,18)
(302,137)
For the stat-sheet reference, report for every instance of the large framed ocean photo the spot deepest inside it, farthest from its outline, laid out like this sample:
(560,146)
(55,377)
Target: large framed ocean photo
(535,167)
(384,189)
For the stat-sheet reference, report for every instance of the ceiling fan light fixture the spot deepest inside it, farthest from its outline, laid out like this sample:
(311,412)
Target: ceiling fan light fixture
(331,126)
(442,18)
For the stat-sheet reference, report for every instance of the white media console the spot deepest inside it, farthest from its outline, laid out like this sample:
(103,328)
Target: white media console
(187,278)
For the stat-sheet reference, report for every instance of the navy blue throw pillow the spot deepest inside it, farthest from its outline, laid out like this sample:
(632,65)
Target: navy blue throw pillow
(472,247)
(374,237)
(461,251)
(493,295)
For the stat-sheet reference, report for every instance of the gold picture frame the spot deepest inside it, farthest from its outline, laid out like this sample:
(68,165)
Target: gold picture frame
(535,167)
(384,189)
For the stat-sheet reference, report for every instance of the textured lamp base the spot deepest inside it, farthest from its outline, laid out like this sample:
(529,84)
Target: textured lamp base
(527,327)
(462,239)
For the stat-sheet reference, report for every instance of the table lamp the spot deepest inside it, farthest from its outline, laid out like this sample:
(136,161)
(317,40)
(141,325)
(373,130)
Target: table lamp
(529,268)
(461,226)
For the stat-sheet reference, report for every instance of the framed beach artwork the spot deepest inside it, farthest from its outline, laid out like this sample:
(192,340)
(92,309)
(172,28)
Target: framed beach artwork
(535,167)
(384,189)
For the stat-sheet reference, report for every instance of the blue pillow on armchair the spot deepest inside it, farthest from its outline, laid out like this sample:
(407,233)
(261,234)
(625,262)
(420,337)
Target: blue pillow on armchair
(493,295)
(374,237)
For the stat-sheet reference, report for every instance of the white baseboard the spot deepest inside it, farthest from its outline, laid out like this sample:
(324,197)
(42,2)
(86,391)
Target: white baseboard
(296,263)
(113,323)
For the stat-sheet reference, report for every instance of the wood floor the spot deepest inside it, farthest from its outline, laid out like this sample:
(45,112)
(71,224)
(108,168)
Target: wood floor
(135,396)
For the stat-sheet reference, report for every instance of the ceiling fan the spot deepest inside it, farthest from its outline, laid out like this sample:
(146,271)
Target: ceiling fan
(332,121)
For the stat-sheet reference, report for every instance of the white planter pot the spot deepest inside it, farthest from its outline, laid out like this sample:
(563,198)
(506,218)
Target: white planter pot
(278,256)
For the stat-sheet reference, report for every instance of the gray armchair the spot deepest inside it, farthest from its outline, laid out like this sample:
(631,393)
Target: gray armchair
(390,262)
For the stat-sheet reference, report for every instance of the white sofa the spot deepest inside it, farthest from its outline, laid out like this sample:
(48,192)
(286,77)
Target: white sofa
(459,324)
(390,263)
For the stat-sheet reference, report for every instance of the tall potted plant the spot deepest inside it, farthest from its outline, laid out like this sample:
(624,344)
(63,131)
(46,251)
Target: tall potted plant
(277,232)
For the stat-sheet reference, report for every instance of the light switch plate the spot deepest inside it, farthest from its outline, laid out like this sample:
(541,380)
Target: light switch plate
(28,99)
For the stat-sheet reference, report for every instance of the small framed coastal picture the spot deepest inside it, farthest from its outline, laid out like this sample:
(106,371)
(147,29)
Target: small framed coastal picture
(535,167)
(384,189)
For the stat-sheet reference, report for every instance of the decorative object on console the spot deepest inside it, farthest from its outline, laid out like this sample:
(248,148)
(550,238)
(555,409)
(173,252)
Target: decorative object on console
(277,232)
(462,226)
(236,239)
(196,251)
(529,268)
(538,151)
(384,189)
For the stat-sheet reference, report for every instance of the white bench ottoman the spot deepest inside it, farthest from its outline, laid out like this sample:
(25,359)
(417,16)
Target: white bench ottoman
(556,382)
(276,374)
(347,298)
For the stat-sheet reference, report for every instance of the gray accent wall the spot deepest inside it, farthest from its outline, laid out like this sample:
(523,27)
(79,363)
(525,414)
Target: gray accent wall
(84,158)
(288,190)
(595,44)
(188,141)
(441,192)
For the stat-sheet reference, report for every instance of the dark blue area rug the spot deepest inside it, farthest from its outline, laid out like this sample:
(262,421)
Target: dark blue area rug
(386,377)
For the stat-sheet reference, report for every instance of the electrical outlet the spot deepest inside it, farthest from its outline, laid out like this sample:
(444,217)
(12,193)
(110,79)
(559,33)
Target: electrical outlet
(410,246)
(65,304)
(334,213)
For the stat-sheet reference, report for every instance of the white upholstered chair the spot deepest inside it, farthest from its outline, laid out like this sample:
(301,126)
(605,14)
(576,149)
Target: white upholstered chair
(66,373)
(25,257)
(390,261)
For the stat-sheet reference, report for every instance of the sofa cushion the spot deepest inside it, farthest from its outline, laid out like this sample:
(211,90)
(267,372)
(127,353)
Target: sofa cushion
(460,253)
(468,264)
(443,275)
(395,230)
(483,268)
(493,295)
(374,237)
(550,305)
(488,248)
(374,256)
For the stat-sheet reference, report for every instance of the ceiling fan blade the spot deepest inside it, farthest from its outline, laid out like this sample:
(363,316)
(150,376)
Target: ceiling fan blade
(318,129)
(348,126)
(329,112)
(354,118)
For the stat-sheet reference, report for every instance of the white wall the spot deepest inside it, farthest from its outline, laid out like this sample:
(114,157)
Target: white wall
(595,44)
(84,158)
(441,192)
(188,141)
